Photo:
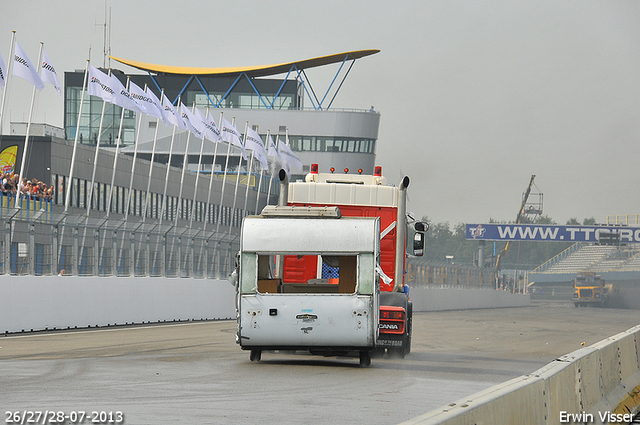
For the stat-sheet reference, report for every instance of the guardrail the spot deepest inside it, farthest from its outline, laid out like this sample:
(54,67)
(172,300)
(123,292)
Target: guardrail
(595,384)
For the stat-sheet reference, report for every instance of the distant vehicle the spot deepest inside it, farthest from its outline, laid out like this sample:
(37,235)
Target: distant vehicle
(591,289)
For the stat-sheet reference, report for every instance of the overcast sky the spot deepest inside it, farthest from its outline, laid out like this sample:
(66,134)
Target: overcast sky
(474,96)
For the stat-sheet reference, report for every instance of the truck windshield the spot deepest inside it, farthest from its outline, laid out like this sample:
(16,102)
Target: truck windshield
(587,281)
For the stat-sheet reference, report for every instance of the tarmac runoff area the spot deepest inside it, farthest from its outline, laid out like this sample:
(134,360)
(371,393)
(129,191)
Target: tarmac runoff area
(195,373)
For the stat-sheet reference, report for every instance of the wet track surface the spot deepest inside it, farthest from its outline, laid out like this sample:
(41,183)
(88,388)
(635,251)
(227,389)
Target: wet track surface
(194,373)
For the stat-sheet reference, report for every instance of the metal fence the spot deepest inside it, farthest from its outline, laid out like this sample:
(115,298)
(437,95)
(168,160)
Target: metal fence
(36,241)
(421,272)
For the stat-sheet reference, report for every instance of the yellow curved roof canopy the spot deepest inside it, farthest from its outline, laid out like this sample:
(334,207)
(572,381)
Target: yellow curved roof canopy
(251,71)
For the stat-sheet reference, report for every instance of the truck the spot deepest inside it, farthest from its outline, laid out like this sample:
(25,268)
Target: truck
(324,270)
(591,289)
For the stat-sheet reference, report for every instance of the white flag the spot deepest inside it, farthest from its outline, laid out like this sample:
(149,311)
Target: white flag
(100,85)
(23,68)
(215,128)
(123,98)
(158,103)
(210,129)
(3,73)
(192,122)
(48,72)
(254,142)
(288,157)
(151,105)
(230,134)
(273,151)
(171,115)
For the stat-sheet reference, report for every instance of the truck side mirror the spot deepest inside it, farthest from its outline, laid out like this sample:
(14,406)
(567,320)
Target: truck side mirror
(415,238)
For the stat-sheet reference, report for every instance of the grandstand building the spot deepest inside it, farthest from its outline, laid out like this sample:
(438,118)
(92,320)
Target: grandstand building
(616,264)
(285,107)
(109,216)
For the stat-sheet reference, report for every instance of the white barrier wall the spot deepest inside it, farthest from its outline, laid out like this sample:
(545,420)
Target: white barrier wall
(60,302)
(595,385)
(435,298)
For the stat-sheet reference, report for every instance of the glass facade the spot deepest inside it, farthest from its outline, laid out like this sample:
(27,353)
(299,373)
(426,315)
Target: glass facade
(243,95)
(90,120)
(332,144)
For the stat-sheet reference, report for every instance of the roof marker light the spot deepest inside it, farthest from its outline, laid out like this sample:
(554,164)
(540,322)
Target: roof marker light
(359,170)
(346,170)
(332,170)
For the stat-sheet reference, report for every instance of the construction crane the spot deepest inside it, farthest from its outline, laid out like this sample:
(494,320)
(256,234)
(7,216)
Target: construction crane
(522,212)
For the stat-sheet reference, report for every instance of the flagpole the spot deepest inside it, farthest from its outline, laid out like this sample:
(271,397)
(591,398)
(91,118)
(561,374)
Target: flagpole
(195,190)
(115,159)
(153,154)
(224,178)
(69,184)
(10,60)
(185,162)
(271,176)
(26,137)
(260,181)
(133,166)
(235,192)
(166,179)
(249,170)
(213,166)
(95,158)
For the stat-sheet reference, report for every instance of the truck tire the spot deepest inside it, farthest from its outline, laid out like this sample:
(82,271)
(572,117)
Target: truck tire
(365,359)
(255,355)
(409,329)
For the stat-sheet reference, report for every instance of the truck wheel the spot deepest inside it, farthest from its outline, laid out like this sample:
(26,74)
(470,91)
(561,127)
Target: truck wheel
(407,341)
(255,355)
(365,359)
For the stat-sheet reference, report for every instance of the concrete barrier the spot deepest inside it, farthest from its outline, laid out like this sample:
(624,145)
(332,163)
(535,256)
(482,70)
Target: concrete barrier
(441,298)
(597,384)
(59,302)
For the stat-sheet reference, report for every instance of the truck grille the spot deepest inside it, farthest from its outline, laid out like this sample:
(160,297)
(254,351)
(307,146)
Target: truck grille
(586,293)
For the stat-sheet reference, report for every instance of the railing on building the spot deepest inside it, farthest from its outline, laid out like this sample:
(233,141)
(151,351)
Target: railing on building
(36,241)
(626,220)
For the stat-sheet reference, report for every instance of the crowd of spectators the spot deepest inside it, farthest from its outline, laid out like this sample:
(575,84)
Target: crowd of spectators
(31,189)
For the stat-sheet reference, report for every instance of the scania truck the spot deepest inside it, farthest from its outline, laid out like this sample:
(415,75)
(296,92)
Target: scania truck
(324,270)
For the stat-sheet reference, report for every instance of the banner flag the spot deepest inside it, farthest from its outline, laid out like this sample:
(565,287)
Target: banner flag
(48,72)
(231,135)
(289,158)
(3,72)
(192,122)
(210,129)
(158,103)
(172,115)
(123,98)
(23,68)
(99,85)
(273,151)
(255,143)
(8,159)
(152,106)
(215,130)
